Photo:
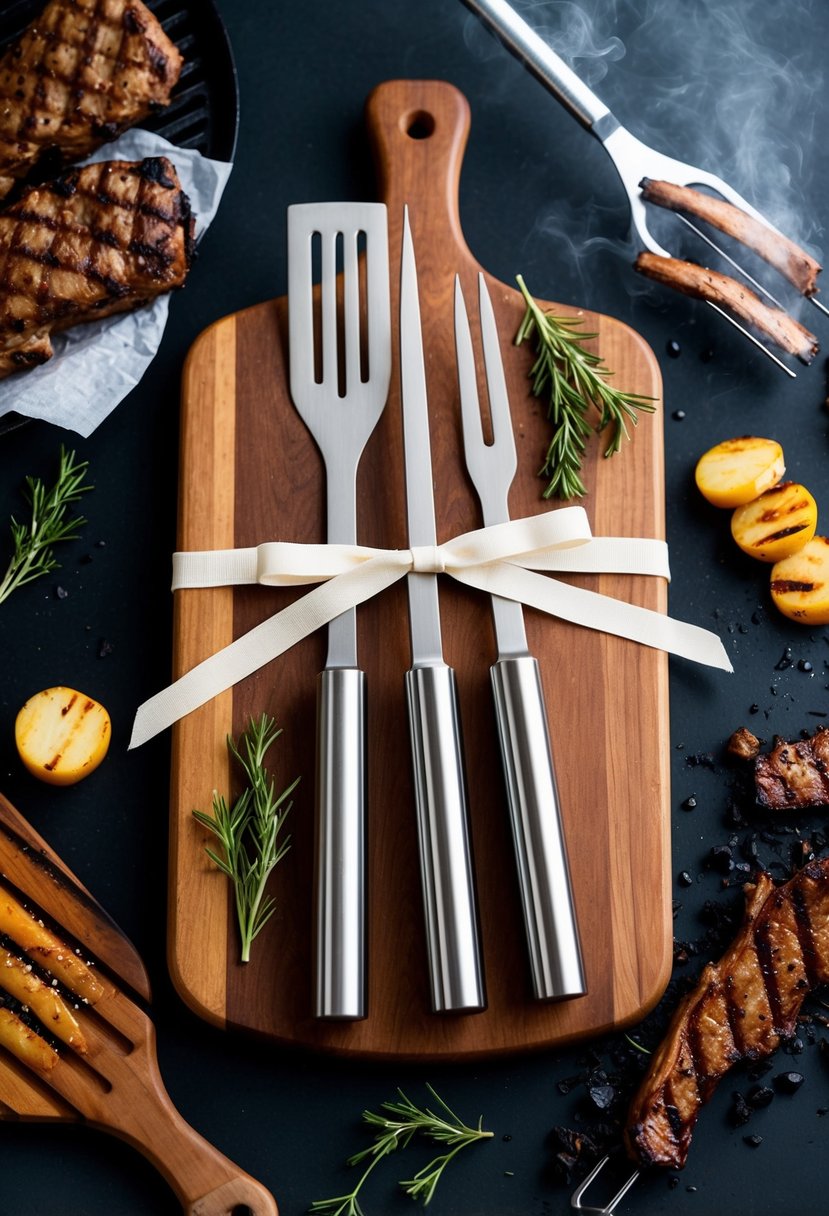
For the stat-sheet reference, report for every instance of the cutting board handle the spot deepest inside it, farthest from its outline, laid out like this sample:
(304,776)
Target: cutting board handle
(418,131)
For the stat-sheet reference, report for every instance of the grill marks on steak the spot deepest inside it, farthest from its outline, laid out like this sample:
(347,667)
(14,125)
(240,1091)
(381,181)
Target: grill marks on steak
(794,775)
(82,73)
(100,240)
(741,1008)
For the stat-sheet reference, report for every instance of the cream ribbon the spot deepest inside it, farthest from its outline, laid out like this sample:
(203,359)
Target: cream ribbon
(500,560)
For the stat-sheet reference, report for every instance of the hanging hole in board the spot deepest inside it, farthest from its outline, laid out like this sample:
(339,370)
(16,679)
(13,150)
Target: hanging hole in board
(419,125)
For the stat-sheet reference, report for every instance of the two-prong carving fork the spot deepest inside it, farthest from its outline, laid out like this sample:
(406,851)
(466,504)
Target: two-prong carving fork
(636,162)
(546,897)
(340,403)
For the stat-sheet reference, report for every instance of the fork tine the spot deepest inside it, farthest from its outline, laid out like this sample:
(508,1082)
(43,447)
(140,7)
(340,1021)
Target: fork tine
(576,1204)
(499,412)
(473,431)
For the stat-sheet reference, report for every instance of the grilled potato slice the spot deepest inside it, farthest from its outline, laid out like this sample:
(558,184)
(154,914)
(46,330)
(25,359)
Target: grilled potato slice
(738,470)
(62,735)
(800,583)
(778,523)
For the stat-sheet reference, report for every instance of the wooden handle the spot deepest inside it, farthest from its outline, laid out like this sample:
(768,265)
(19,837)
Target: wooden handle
(418,131)
(205,1181)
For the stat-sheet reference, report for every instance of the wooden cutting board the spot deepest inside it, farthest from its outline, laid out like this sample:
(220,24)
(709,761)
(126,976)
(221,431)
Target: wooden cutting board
(115,1085)
(251,473)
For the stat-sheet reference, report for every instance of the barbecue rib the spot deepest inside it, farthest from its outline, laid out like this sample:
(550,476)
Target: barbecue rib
(794,776)
(741,1009)
(703,284)
(99,240)
(793,262)
(82,73)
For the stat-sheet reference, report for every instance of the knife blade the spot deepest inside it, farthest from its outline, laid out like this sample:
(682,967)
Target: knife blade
(447,879)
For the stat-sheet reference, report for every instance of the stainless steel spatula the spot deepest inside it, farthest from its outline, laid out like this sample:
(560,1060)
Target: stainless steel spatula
(340,367)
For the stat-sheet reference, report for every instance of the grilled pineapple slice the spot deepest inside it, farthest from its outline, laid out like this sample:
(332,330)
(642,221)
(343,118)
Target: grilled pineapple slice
(800,583)
(738,470)
(62,735)
(778,523)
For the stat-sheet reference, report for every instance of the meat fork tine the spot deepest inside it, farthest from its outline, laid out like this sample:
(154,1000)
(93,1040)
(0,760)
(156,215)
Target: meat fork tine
(632,159)
(609,1208)
(521,715)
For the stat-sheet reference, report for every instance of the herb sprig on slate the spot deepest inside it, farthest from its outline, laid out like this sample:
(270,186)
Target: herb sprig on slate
(249,830)
(396,1124)
(48,524)
(574,382)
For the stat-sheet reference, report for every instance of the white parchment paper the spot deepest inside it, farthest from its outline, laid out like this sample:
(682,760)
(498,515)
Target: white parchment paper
(95,365)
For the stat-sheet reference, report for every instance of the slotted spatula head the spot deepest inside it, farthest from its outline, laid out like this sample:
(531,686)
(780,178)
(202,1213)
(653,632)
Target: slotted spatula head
(340,350)
(108,1077)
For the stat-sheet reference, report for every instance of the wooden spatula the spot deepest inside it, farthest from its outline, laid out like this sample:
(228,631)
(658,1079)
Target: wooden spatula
(116,1084)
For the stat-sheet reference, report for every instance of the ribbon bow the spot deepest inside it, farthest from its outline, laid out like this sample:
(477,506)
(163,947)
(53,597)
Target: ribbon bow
(500,560)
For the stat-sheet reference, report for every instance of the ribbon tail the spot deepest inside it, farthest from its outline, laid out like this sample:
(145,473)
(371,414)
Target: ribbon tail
(259,645)
(602,612)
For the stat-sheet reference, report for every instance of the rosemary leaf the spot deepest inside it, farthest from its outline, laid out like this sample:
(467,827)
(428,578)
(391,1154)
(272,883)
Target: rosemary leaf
(395,1125)
(574,382)
(32,554)
(249,830)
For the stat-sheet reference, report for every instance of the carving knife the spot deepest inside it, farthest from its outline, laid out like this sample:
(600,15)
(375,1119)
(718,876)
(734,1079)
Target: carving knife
(455,967)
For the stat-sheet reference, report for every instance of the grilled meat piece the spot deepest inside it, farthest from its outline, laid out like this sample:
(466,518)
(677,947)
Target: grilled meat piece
(703,284)
(99,240)
(794,776)
(743,745)
(793,262)
(742,1007)
(82,73)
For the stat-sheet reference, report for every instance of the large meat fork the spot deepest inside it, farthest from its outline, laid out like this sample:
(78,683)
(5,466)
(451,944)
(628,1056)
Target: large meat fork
(532,793)
(340,402)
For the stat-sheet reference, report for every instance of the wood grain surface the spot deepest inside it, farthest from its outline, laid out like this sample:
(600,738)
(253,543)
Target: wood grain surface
(116,1085)
(250,473)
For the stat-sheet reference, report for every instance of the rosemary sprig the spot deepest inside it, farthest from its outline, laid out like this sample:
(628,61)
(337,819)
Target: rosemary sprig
(249,830)
(395,1128)
(48,525)
(574,380)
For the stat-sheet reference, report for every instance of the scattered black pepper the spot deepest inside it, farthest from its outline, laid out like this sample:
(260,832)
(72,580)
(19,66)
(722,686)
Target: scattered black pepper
(759,1096)
(61,593)
(690,803)
(104,648)
(706,355)
(785,661)
(740,1112)
(678,415)
(684,879)
(753,1141)
(673,349)
(804,665)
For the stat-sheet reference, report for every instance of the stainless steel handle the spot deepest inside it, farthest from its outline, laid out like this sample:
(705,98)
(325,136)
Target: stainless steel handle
(545,64)
(340,886)
(544,875)
(455,966)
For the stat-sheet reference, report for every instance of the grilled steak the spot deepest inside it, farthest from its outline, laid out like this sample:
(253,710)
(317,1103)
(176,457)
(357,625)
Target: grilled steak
(82,73)
(741,1009)
(794,776)
(99,240)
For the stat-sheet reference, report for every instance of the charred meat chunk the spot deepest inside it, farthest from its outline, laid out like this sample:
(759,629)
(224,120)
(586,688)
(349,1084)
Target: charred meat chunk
(794,775)
(741,1008)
